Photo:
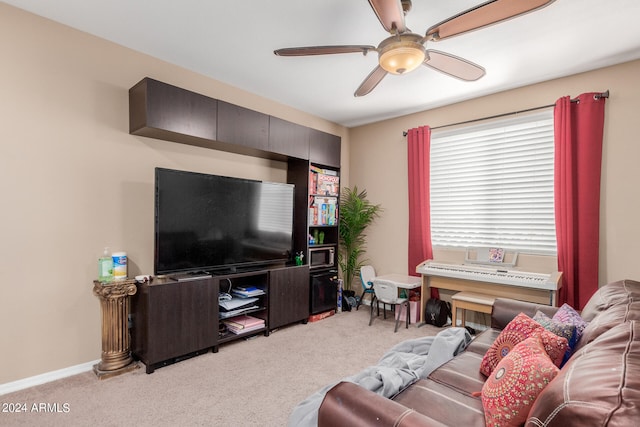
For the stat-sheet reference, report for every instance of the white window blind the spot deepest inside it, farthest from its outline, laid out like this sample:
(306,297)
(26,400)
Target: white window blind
(492,185)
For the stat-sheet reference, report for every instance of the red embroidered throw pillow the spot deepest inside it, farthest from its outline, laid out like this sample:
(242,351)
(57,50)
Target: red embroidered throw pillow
(516,382)
(566,330)
(519,329)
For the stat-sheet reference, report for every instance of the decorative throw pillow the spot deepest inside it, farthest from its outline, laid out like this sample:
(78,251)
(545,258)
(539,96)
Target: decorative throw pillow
(567,314)
(519,329)
(566,330)
(509,393)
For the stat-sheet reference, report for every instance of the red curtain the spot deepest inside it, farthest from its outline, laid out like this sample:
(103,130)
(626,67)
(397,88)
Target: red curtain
(418,149)
(578,156)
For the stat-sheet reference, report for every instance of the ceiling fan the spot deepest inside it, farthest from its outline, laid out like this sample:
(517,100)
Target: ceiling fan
(404,51)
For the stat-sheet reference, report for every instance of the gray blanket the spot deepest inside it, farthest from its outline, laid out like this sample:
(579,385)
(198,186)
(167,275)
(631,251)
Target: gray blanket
(399,367)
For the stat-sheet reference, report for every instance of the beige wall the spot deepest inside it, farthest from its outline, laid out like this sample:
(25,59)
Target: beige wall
(73,181)
(378,163)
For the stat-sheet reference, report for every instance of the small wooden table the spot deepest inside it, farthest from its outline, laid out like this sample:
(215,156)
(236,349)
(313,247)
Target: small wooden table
(116,342)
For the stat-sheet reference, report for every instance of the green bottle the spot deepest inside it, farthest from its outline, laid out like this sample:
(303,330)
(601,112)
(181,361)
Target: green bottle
(105,267)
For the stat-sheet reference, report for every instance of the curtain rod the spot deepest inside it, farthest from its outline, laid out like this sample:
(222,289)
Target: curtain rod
(604,94)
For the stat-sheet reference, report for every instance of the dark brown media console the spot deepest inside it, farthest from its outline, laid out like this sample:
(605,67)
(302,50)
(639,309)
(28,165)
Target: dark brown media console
(173,320)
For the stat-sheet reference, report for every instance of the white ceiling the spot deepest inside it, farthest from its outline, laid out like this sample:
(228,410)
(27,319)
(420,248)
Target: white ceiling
(233,42)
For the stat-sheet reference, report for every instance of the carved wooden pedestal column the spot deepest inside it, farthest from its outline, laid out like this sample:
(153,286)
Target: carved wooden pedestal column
(116,342)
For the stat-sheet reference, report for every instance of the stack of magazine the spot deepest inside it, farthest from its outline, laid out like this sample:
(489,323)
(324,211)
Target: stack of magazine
(244,323)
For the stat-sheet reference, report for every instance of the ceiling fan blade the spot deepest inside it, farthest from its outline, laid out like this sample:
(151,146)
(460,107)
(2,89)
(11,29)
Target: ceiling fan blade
(390,14)
(453,66)
(323,50)
(483,15)
(371,81)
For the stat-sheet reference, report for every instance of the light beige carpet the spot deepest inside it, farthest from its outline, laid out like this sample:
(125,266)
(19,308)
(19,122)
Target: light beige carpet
(254,382)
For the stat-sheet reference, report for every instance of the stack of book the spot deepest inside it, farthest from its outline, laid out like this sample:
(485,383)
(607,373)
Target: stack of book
(244,323)
(247,292)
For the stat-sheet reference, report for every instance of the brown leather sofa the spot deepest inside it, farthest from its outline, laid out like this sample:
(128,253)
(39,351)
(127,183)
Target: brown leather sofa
(599,384)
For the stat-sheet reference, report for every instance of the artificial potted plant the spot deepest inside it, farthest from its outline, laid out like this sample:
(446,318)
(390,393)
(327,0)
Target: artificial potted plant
(356,214)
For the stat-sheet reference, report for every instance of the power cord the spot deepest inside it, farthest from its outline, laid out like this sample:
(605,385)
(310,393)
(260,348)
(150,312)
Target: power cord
(226,296)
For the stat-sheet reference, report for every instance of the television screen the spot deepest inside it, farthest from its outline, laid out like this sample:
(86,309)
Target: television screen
(208,222)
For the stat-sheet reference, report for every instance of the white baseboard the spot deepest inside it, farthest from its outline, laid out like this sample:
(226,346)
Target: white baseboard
(46,377)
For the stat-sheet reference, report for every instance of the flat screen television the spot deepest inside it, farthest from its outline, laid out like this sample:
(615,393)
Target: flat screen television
(211,223)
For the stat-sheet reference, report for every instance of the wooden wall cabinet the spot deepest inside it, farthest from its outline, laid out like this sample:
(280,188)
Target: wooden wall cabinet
(241,126)
(324,148)
(289,139)
(162,111)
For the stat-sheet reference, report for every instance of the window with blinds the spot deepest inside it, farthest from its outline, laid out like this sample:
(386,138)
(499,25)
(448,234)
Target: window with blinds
(492,185)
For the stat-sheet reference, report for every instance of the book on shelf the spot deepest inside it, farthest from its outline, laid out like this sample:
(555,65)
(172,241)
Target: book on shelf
(244,323)
(246,292)
(313,183)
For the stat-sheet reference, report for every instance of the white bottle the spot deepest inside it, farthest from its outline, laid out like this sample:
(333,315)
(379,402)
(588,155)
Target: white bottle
(105,267)
(119,265)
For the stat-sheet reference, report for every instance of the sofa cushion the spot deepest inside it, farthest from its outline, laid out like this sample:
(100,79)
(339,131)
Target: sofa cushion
(461,373)
(613,316)
(521,375)
(482,342)
(505,310)
(612,294)
(442,403)
(566,330)
(519,329)
(599,385)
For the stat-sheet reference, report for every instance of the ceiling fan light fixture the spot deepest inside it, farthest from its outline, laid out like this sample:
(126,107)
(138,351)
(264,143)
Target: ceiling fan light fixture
(401,56)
